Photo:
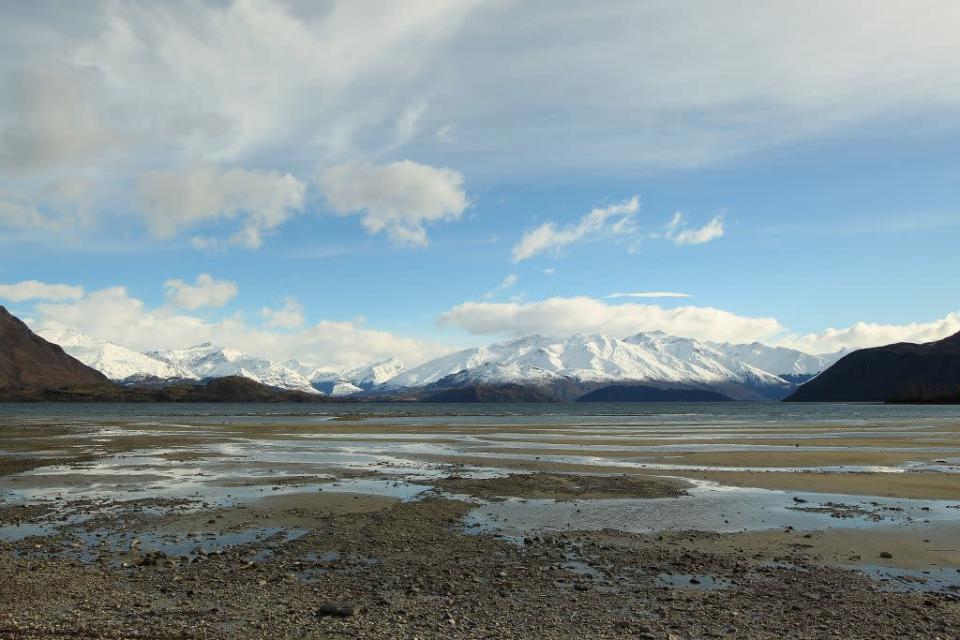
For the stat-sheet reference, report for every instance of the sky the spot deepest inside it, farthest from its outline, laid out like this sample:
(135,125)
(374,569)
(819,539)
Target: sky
(342,182)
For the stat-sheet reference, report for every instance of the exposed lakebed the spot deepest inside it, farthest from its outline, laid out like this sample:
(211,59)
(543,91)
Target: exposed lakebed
(689,514)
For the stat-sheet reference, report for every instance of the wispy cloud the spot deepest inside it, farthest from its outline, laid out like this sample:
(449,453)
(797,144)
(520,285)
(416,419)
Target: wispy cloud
(650,294)
(507,283)
(614,220)
(680,233)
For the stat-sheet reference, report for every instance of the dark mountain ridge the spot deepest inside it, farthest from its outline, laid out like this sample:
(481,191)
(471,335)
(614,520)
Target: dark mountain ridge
(901,372)
(31,365)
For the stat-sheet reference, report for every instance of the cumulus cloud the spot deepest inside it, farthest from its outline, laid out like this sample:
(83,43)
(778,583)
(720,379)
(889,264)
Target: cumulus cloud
(869,334)
(36,290)
(114,314)
(400,198)
(650,294)
(289,316)
(565,316)
(680,233)
(615,220)
(205,292)
(178,200)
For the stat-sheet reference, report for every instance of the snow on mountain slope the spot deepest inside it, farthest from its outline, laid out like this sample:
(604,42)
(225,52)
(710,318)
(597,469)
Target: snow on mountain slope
(329,381)
(376,373)
(209,361)
(343,388)
(590,358)
(114,361)
(705,357)
(779,360)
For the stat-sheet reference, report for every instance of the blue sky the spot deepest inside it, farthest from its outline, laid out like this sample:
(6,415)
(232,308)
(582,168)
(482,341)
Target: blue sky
(346,182)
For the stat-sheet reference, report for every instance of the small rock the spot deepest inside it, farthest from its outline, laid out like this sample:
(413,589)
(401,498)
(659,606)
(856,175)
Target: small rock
(339,610)
(886,554)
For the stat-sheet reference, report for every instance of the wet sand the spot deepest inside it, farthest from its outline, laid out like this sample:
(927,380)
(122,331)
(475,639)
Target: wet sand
(353,529)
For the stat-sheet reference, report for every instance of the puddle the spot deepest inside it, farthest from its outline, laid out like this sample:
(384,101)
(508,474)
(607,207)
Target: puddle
(15,532)
(403,490)
(129,547)
(935,579)
(707,508)
(699,582)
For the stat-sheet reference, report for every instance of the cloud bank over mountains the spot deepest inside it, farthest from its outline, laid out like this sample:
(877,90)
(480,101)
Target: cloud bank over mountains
(284,332)
(113,314)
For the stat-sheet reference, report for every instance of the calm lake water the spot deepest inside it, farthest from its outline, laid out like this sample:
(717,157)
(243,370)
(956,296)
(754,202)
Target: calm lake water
(693,414)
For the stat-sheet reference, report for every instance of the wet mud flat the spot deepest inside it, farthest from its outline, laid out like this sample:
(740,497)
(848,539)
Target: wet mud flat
(139,534)
(341,565)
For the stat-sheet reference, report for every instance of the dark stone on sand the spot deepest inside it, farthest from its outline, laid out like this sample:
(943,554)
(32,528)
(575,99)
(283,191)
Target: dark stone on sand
(338,610)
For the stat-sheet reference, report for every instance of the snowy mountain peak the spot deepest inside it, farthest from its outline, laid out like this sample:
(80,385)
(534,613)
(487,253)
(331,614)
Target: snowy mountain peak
(114,361)
(209,361)
(375,373)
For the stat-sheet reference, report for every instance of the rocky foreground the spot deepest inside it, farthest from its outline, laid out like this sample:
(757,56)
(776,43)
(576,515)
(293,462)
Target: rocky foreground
(331,565)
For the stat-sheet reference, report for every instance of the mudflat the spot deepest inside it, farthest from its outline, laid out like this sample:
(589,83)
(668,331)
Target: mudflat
(345,528)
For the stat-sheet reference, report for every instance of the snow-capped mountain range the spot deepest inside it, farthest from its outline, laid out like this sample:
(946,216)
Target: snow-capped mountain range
(114,361)
(209,361)
(534,360)
(653,356)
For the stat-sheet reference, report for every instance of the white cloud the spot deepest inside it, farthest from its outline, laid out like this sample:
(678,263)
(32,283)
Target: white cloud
(633,85)
(36,290)
(508,282)
(678,231)
(565,316)
(63,203)
(206,292)
(51,118)
(869,334)
(446,133)
(164,78)
(17,215)
(289,316)
(614,220)
(549,271)
(650,294)
(654,85)
(154,87)
(399,198)
(116,87)
(178,200)
(115,315)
